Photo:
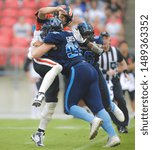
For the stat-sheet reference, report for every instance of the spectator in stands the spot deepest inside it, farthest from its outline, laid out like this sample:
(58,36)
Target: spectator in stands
(115,28)
(79,8)
(58,2)
(115,6)
(98,26)
(95,9)
(22,29)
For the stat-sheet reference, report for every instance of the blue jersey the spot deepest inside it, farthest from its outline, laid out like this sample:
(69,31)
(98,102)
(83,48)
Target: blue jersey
(90,56)
(67,52)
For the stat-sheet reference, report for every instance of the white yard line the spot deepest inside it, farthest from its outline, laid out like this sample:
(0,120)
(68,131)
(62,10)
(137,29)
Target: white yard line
(31,128)
(17,128)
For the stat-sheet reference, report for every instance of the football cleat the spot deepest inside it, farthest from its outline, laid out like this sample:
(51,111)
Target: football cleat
(95,125)
(38,138)
(118,113)
(38,99)
(113,141)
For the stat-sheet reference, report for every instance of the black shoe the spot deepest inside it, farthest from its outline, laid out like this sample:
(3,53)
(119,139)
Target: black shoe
(122,129)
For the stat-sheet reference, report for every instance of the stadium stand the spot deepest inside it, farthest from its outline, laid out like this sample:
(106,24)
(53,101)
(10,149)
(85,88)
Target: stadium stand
(11,4)
(11,10)
(31,4)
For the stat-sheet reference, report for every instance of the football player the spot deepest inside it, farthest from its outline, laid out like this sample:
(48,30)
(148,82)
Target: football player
(63,12)
(92,56)
(82,83)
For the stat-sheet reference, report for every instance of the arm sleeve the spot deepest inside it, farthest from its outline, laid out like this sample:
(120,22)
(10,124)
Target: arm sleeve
(53,38)
(120,57)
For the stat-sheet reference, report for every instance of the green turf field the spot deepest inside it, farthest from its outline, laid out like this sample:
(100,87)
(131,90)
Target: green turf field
(69,134)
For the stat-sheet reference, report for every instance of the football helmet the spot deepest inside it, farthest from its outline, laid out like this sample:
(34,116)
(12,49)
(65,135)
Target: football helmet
(54,24)
(86,30)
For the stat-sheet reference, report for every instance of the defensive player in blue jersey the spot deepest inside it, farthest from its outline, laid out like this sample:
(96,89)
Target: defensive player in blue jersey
(86,31)
(62,47)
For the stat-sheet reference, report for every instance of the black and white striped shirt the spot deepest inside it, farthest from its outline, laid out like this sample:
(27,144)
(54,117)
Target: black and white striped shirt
(109,60)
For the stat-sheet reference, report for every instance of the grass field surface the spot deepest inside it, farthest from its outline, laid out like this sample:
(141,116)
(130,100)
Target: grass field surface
(69,134)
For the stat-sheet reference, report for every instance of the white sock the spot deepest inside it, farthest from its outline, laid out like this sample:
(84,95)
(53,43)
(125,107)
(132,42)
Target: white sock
(43,123)
(46,115)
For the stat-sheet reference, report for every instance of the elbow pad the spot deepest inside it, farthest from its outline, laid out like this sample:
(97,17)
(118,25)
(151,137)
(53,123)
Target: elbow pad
(95,48)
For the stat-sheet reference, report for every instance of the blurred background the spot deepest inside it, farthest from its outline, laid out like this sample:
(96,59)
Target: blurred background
(17,24)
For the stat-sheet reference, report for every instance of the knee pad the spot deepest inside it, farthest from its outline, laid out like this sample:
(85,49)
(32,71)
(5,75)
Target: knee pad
(48,111)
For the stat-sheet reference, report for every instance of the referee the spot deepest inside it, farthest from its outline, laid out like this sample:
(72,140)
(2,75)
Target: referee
(112,63)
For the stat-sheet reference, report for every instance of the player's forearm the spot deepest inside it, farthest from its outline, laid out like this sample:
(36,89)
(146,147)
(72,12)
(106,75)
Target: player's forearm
(40,51)
(95,48)
(46,10)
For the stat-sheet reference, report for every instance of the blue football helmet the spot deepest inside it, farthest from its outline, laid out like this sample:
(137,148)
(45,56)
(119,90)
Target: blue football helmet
(86,30)
(53,24)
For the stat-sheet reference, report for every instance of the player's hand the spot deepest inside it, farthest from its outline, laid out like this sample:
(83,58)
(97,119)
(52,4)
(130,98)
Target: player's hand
(61,10)
(78,36)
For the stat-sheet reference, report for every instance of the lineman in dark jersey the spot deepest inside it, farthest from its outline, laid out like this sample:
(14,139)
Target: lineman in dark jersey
(82,82)
(87,32)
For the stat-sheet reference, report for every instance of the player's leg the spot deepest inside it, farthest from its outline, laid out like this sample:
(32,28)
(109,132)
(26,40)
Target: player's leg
(50,75)
(107,101)
(74,92)
(48,79)
(118,96)
(48,110)
(94,102)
